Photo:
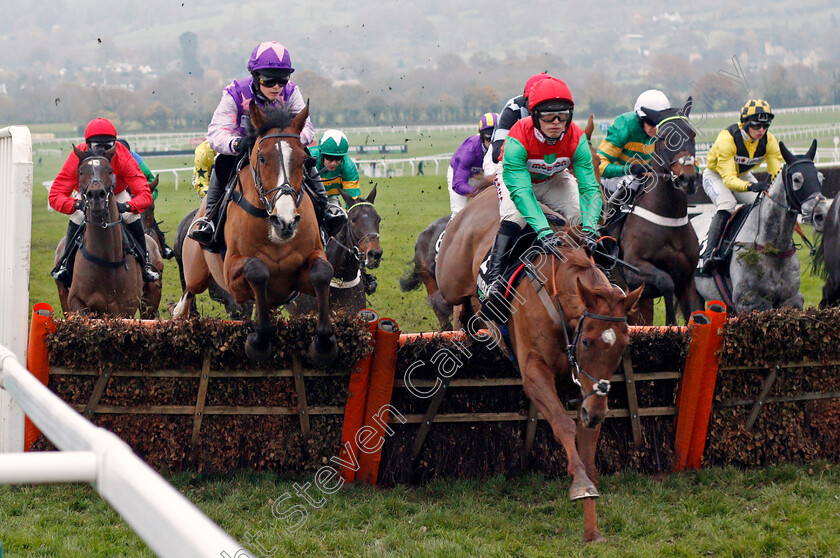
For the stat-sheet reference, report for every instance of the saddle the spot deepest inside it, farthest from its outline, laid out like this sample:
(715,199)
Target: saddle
(516,269)
(726,246)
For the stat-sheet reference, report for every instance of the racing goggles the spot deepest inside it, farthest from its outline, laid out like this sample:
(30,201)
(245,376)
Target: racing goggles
(271,81)
(548,117)
(755,125)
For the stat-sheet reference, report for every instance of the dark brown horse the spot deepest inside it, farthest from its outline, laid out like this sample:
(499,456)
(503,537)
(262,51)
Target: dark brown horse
(106,279)
(574,300)
(152,226)
(355,247)
(657,237)
(271,233)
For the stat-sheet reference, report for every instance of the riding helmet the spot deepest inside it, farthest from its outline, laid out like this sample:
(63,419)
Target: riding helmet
(653,99)
(757,110)
(100,129)
(488,121)
(334,143)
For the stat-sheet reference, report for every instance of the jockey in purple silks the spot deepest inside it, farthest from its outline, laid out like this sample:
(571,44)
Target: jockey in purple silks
(466,163)
(271,67)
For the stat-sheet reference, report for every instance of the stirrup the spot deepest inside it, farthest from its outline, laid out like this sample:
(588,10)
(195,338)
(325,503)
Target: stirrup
(202,230)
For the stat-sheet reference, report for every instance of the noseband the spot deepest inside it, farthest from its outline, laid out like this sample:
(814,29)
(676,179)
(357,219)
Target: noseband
(268,198)
(600,387)
(109,190)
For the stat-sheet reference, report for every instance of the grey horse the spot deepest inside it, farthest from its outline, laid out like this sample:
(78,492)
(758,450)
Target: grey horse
(764,270)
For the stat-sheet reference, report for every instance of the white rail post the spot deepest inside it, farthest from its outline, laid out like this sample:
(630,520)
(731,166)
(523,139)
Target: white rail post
(15,251)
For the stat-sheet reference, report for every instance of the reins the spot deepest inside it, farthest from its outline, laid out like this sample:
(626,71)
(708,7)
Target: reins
(600,387)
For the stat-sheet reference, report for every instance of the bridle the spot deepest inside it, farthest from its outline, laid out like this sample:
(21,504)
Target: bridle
(555,309)
(109,191)
(685,161)
(353,248)
(269,198)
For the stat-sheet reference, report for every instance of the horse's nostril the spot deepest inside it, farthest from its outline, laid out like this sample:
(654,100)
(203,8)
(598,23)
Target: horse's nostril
(296,219)
(375,254)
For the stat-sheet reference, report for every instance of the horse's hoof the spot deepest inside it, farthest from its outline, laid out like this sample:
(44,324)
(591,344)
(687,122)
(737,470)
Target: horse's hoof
(255,353)
(596,538)
(583,490)
(323,353)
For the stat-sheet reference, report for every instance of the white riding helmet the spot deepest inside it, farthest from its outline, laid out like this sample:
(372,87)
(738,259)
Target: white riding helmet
(653,99)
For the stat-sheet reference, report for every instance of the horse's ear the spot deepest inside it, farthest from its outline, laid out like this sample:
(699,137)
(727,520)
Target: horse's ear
(590,127)
(109,154)
(786,154)
(632,299)
(153,186)
(348,199)
(812,151)
(82,155)
(299,121)
(372,195)
(257,116)
(687,107)
(589,298)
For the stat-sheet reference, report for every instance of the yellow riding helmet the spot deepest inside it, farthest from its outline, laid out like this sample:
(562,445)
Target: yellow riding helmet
(758,110)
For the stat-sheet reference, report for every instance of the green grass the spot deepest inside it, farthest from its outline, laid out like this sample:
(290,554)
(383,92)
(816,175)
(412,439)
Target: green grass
(777,511)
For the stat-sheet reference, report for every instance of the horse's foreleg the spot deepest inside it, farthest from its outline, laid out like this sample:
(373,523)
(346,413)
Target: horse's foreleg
(182,309)
(258,343)
(690,301)
(587,443)
(538,382)
(323,348)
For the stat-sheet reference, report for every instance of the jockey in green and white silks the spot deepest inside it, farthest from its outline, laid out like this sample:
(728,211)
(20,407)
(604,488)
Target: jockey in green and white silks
(335,166)
(627,148)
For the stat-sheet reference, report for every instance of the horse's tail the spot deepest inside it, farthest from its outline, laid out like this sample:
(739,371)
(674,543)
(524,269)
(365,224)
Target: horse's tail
(411,280)
(818,261)
(481,185)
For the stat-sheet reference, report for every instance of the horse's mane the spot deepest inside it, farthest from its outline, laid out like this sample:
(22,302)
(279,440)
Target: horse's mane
(818,261)
(274,118)
(482,184)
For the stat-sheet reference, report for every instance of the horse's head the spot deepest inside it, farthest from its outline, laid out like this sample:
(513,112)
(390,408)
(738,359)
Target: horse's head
(601,336)
(803,185)
(674,151)
(363,226)
(277,157)
(96,182)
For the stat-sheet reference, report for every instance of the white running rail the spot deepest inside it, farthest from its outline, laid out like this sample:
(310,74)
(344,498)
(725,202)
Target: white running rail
(169,523)
(15,251)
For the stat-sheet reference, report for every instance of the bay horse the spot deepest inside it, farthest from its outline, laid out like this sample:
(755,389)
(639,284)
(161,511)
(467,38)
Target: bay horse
(106,278)
(656,237)
(271,233)
(234,311)
(575,299)
(764,270)
(354,248)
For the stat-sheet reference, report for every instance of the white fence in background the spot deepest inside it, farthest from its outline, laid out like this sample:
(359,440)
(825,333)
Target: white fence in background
(15,250)
(160,515)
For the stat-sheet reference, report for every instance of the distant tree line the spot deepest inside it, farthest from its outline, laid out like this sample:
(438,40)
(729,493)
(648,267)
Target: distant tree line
(453,91)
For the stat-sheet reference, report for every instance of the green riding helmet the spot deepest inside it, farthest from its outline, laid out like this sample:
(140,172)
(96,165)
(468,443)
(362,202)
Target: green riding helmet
(334,143)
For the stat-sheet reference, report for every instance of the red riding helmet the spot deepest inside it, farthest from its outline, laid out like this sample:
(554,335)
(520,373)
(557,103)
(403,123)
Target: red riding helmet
(553,92)
(533,80)
(100,128)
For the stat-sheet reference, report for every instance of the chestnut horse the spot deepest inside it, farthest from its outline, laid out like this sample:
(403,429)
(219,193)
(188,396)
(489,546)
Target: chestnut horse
(106,279)
(271,232)
(574,299)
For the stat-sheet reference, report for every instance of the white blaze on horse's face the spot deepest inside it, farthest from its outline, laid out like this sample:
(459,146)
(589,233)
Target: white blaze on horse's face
(608,337)
(284,206)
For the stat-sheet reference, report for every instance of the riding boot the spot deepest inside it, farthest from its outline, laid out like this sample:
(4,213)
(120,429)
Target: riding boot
(165,251)
(369,282)
(707,259)
(138,236)
(499,260)
(61,271)
(204,227)
(331,217)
